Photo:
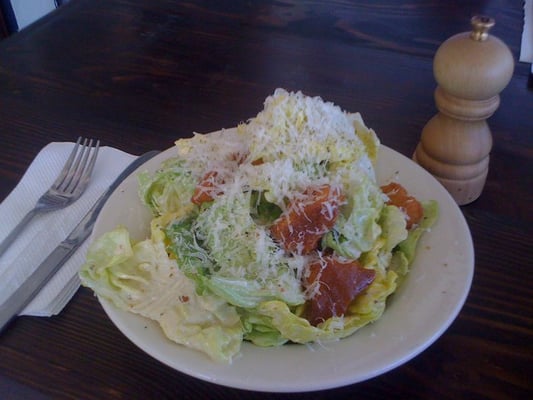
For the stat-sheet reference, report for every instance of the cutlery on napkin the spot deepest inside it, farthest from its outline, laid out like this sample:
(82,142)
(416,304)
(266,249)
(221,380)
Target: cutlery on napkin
(45,232)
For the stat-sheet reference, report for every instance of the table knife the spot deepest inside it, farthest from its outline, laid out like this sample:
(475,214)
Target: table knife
(44,272)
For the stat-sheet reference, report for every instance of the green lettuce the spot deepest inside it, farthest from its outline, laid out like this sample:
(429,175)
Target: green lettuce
(170,188)
(227,252)
(357,227)
(404,253)
(140,278)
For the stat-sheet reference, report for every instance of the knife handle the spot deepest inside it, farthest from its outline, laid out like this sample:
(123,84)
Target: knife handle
(31,286)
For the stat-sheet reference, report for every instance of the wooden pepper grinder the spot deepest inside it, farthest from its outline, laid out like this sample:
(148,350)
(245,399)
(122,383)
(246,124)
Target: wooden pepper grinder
(471,69)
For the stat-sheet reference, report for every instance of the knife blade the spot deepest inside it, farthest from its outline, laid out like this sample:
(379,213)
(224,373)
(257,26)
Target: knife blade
(55,260)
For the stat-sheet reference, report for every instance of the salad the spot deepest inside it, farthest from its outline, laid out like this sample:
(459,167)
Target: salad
(274,232)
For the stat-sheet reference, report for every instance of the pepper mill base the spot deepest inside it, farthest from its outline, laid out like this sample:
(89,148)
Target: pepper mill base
(464,191)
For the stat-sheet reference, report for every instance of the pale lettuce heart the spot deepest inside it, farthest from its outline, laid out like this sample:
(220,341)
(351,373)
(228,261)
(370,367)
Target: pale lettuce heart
(357,227)
(168,189)
(142,279)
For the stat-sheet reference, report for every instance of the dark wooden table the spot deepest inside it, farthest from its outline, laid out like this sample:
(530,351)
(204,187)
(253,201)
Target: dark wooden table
(138,74)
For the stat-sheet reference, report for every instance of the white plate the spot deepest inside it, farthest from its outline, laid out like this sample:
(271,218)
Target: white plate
(416,315)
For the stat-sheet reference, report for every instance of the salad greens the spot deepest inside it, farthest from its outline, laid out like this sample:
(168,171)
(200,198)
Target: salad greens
(211,273)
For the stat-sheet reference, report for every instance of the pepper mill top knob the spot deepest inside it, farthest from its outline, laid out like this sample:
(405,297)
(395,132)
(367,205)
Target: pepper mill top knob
(474,65)
(480,27)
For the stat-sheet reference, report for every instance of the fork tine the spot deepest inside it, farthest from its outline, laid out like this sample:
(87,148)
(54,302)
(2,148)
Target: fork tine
(68,164)
(90,168)
(84,172)
(77,171)
(73,173)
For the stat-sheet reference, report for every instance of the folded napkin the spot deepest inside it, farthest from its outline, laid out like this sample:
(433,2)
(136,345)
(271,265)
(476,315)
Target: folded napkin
(47,230)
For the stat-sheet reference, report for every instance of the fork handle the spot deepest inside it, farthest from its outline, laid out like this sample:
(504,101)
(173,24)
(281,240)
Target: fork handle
(17,229)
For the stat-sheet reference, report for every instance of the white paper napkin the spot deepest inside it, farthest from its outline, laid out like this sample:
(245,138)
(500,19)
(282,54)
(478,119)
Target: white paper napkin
(46,231)
(526,48)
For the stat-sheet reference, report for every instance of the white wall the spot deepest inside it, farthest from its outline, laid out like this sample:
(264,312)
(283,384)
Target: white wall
(27,11)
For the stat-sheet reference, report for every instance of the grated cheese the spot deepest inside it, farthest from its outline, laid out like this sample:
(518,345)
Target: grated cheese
(294,143)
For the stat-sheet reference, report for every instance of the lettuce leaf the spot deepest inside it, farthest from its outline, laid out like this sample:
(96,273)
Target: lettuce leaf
(140,278)
(403,254)
(247,266)
(292,327)
(357,227)
(168,189)
(408,246)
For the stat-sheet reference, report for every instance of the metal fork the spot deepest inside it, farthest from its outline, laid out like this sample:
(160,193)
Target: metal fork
(67,188)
